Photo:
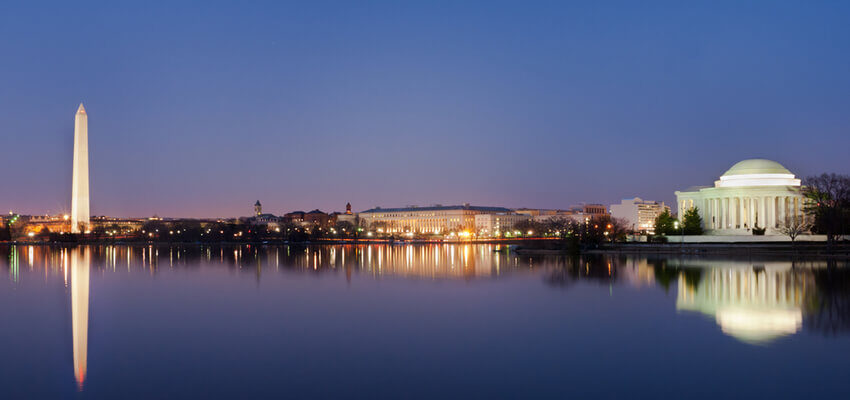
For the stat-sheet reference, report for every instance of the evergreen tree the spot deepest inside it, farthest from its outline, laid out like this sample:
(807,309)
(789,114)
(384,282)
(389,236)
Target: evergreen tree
(664,223)
(692,222)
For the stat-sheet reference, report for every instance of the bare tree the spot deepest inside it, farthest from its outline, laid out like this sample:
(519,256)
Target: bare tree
(794,227)
(560,226)
(345,227)
(379,225)
(529,225)
(828,204)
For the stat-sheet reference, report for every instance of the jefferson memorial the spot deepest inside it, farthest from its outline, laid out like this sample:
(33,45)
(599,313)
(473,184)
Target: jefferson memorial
(753,193)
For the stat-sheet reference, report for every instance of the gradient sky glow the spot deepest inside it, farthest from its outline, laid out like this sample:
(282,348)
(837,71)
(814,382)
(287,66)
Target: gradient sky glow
(201,108)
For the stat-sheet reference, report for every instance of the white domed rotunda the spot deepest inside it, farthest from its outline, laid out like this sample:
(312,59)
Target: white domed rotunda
(753,193)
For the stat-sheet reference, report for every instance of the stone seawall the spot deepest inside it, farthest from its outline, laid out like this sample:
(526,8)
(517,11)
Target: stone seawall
(839,249)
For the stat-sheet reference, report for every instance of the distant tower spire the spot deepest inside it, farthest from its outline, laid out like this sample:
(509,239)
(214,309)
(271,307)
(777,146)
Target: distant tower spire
(348,208)
(258,208)
(80,178)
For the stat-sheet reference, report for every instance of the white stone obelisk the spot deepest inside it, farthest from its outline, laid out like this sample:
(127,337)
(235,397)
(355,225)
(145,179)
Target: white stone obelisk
(80,180)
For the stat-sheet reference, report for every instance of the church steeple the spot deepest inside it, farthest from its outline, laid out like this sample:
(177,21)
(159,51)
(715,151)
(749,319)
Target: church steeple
(258,208)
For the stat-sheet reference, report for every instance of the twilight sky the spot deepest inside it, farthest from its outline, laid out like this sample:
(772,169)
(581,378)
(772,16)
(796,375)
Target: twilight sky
(201,108)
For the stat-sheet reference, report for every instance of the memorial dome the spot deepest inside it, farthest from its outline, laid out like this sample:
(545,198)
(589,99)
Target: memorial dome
(757,166)
(757,172)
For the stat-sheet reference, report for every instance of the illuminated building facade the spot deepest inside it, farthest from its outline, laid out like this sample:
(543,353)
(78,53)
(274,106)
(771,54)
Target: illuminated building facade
(753,193)
(317,218)
(35,224)
(594,210)
(494,224)
(349,216)
(260,218)
(434,220)
(122,224)
(295,217)
(639,213)
(537,212)
(578,214)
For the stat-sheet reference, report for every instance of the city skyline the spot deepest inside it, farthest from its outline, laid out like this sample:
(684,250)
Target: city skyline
(424,199)
(202,112)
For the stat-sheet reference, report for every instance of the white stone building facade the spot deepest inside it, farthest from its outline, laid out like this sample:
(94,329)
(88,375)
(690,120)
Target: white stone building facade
(753,193)
(494,224)
(640,214)
(431,220)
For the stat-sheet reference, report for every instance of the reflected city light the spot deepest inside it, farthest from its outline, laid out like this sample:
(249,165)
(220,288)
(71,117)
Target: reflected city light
(756,303)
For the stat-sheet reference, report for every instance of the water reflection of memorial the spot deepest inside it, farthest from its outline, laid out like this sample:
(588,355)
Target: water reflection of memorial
(755,302)
(758,302)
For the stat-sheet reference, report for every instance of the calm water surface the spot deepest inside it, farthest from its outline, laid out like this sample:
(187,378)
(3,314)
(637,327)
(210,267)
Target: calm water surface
(429,321)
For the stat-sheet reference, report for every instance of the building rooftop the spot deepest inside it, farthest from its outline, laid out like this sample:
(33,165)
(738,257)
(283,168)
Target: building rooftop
(757,166)
(437,208)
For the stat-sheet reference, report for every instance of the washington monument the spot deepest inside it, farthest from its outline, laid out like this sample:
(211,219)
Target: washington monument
(80,180)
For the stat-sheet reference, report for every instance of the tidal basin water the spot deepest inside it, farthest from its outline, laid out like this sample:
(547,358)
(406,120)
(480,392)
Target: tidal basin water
(416,321)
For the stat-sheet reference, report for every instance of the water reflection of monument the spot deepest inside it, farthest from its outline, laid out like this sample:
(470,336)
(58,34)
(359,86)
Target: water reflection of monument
(753,303)
(80,264)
